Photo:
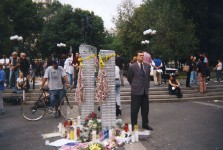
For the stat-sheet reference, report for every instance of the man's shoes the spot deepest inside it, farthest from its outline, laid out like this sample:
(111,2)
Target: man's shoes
(50,111)
(57,114)
(148,128)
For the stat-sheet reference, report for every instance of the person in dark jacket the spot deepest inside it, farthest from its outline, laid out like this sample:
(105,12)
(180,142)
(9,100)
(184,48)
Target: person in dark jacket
(174,87)
(139,79)
(201,70)
(24,64)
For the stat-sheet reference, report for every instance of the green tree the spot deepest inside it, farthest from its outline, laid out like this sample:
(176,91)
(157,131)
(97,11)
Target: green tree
(175,38)
(64,25)
(19,18)
(207,16)
(112,42)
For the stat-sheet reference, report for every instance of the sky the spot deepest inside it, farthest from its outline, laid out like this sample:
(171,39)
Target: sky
(106,9)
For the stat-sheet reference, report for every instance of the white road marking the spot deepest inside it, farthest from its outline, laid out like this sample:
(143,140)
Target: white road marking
(208,104)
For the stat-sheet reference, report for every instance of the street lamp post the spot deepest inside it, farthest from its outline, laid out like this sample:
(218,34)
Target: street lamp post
(16,38)
(149,32)
(60,45)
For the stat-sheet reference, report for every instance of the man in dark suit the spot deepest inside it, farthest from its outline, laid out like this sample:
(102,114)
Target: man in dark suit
(139,79)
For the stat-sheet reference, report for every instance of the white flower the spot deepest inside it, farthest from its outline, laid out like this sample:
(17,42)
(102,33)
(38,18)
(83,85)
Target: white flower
(94,125)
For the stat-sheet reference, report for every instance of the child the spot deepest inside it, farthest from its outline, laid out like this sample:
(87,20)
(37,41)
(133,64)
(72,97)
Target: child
(21,83)
(2,81)
(174,86)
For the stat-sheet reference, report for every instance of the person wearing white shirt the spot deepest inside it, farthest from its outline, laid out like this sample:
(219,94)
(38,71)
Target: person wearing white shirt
(117,91)
(5,62)
(69,68)
(219,71)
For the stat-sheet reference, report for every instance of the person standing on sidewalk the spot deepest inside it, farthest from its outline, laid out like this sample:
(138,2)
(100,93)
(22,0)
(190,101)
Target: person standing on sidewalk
(193,74)
(5,62)
(120,62)
(189,63)
(218,69)
(157,71)
(2,87)
(201,68)
(117,91)
(24,64)
(14,69)
(69,68)
(139,79)
(76,64)
(54,74)
(207,71)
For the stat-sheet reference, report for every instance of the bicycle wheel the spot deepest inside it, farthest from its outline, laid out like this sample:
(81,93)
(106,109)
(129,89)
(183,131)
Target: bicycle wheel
(67,108)
(33,111)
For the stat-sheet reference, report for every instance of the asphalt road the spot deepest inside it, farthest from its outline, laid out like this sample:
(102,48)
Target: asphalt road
(177,126)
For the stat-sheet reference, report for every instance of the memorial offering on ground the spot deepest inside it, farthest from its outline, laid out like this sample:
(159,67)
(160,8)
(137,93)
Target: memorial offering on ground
(91,135)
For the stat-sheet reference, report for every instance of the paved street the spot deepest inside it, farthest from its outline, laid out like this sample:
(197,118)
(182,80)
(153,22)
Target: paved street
(177,126)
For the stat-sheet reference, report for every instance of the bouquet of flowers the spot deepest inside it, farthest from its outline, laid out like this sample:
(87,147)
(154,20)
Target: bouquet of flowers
(92,122)
(95,146)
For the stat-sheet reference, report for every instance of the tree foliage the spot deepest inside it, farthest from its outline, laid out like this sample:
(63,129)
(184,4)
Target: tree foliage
(175,36)
(43,26)
(18,17)
(63,25)
(207,16)
(183,27)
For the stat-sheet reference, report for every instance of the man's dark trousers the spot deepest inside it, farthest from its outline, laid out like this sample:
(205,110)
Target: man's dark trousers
(136,102)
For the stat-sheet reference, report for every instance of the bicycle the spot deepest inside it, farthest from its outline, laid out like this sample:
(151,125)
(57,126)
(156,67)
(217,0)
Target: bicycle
(36,111)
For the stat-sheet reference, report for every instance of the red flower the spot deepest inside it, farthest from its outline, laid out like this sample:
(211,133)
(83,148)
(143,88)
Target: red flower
(87,118)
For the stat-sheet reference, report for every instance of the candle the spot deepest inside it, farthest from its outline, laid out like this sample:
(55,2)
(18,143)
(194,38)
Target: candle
(137,136)
(79,120)
(60,127)
(136,128)
(94,136)
(123,134)
(110,133)
(75,133)
(126,127)
(71,133)
(68,135)
(133,137)
(63,130)
(130,128)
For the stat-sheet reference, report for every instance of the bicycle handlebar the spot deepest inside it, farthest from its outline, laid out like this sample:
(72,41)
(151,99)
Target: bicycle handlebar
(46,89)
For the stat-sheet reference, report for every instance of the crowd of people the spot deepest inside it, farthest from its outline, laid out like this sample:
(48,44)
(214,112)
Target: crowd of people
(15,72)
(19,71)
(198,73)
